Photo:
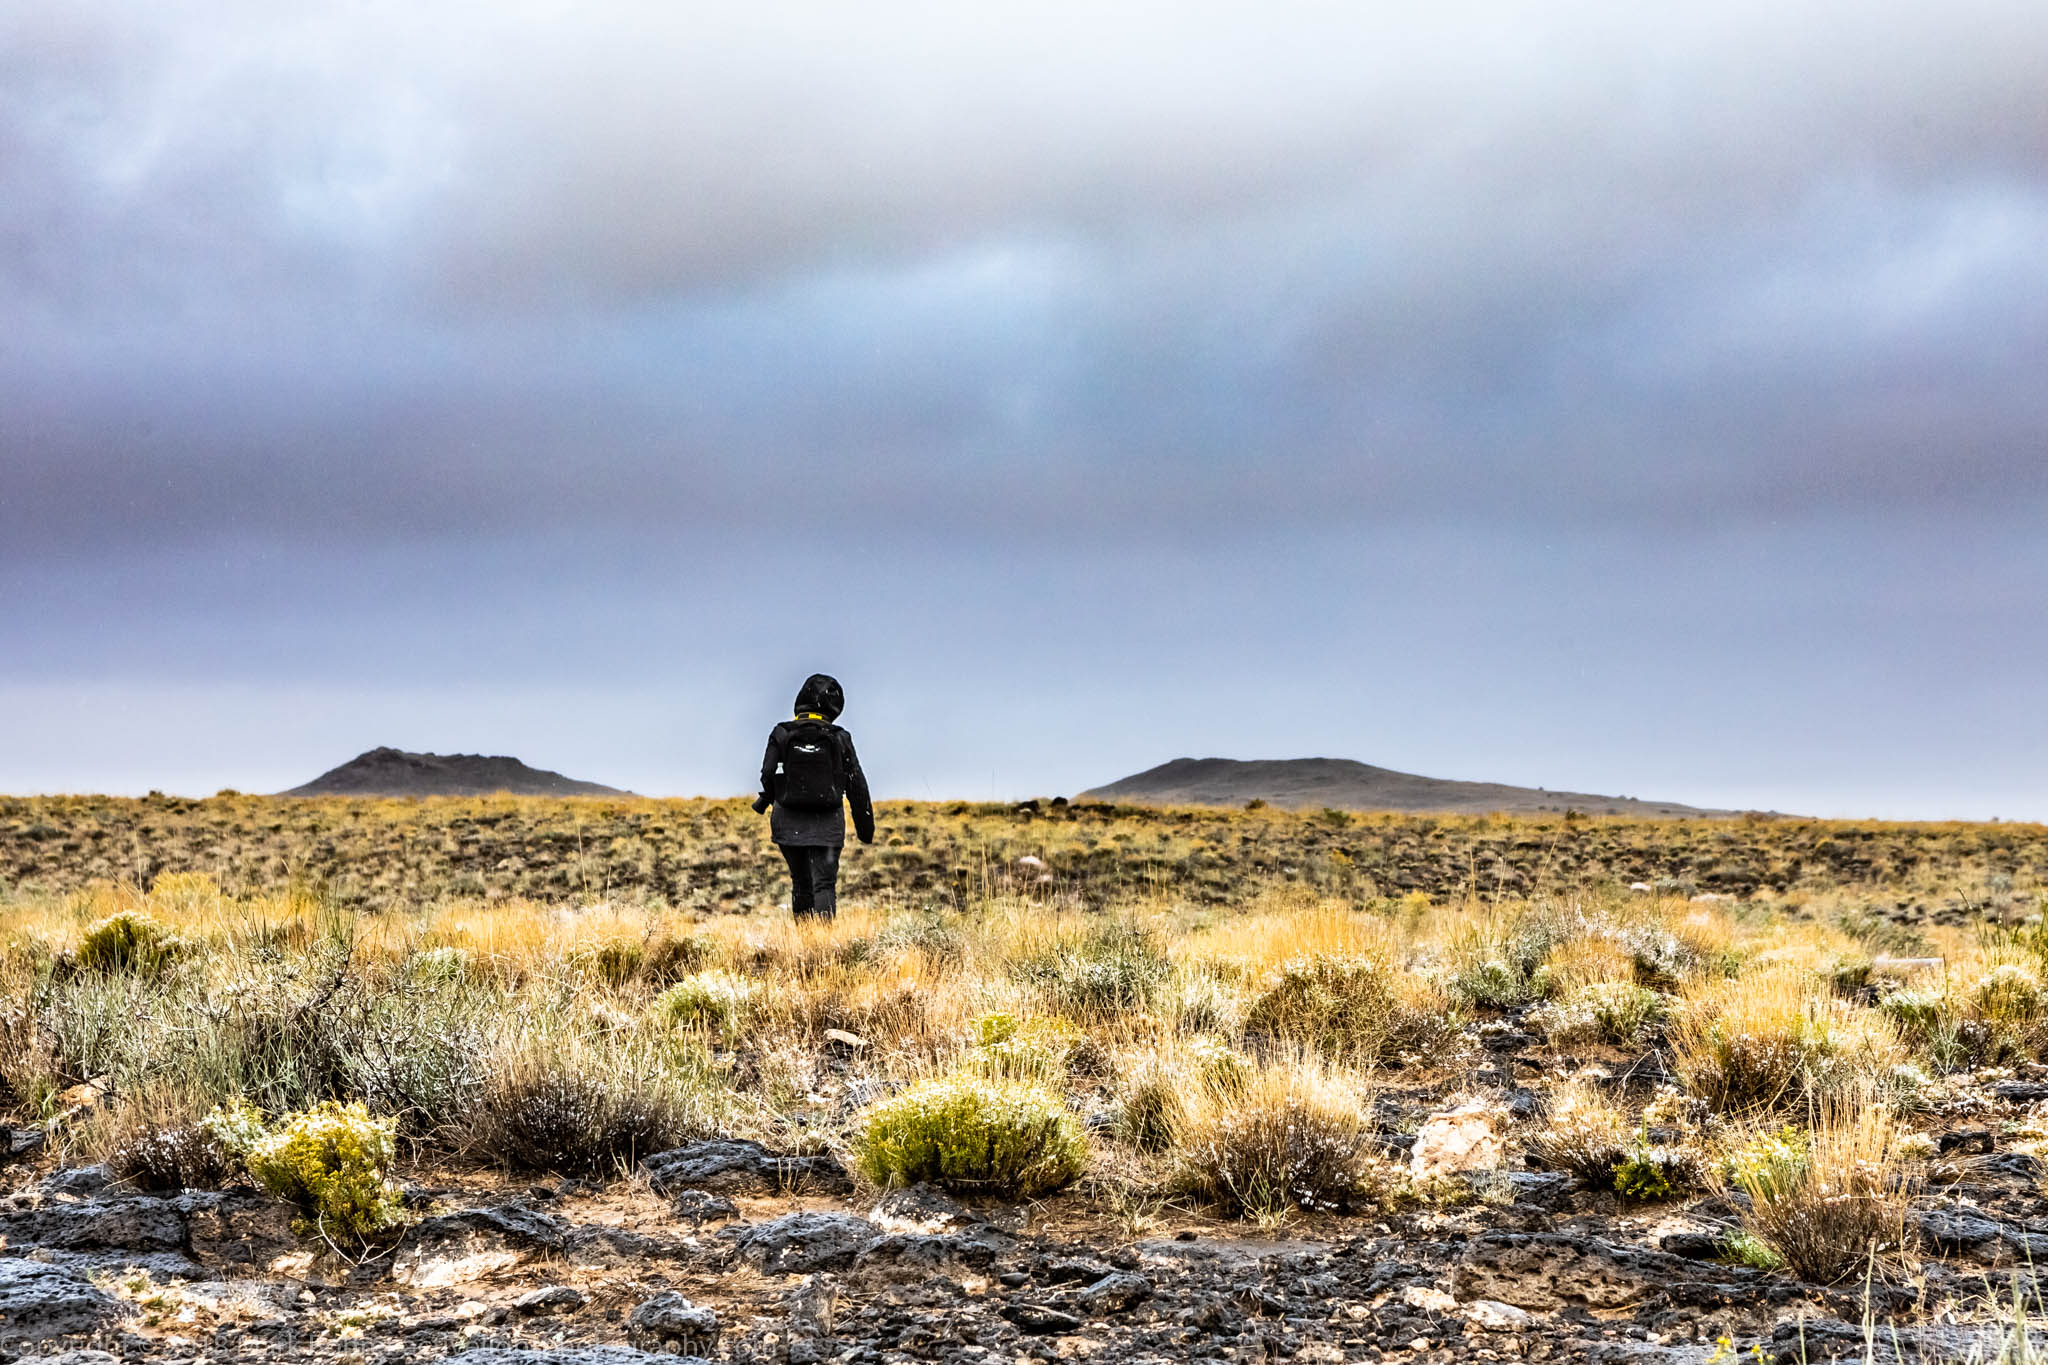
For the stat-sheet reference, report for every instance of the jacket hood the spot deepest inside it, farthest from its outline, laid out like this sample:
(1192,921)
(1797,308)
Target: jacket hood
(820,693)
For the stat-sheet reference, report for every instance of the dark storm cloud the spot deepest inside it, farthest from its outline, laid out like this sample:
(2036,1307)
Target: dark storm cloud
(419,270)
(1466,358)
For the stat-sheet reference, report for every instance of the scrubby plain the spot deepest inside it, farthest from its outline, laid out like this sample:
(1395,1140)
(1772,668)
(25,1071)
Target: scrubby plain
(416,1077)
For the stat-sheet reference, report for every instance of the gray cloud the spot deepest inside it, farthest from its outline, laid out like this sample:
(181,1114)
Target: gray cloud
(547,307)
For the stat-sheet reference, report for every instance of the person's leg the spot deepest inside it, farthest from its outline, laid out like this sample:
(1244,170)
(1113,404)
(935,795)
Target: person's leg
(800,895)
(825,880)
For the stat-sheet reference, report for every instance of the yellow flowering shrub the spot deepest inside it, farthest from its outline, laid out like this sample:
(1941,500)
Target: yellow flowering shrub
(127,941)
(333,1162)
(971,1134)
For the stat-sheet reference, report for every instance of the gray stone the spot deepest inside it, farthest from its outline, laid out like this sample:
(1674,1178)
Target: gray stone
(41,1302)
(552,1298)
(1115,1293)
(803,1243)
(921,1208)
(670,1322)
(126,1224)
(737,1166)
(916,1256)
(698,1207)
(82,1356)
(1549,1270)
(474,1244)
(570,1355)
(515,1223)
(78,1181)
(1038,1319)
(1959,1232)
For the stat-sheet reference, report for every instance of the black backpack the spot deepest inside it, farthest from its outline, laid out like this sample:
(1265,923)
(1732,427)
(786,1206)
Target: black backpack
(811,776)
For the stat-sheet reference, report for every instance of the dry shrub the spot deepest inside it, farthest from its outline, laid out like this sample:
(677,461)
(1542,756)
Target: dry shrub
(1112,971)
(1618,1012)
(574,1110)
(1356,1007)
(1292,1134)
(1589,959)
(1834,1203)
(1157,1088)
(1583,1133)
(1777,1039)
(160,1141)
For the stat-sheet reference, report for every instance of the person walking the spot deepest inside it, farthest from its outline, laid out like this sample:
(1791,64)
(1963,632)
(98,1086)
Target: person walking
(809,775)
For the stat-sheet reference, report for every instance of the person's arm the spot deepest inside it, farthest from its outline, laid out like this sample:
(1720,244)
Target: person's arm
(768,762)
(857,796)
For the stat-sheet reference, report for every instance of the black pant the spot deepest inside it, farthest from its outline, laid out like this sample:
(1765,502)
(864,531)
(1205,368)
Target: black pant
(813,878)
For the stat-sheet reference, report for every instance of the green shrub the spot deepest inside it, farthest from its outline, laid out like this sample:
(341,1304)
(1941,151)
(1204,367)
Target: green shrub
(1917,1013)
(1618,1012)
(2009,994)
(128,941)
(971,1134)
(1746,1248)
(716,1002)
(1831,1202)
(417,1049)
(1031,1049)
(1115,970)
(1502,966)
(333,1161)
(1652,1172)
(613,961)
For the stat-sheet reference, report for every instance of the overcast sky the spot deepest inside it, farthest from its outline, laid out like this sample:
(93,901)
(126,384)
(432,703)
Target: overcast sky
(1644,399)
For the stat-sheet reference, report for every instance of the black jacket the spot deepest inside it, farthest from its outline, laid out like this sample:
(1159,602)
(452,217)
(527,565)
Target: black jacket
(820,700)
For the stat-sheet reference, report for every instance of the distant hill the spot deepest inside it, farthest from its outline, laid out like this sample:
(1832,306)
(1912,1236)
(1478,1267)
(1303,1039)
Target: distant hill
(393,772)
(1347,785)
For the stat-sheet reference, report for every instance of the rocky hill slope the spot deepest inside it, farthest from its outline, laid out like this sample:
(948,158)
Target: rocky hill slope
(393,772)
(1348,785)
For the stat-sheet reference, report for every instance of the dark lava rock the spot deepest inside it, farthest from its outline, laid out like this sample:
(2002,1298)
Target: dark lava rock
(1549,1270)
(1074,1272)
(135,1223)
(1694,1246)
(737,1166)
(553,1298)
(570,1355)
(918,1256)
(1040,1319)
(1808,1339)
(1542,1189)
(1116,1292)
(921,1208)
(802,1243)
(1966,1141)
(40,1302)
(16,1143)
(670,1322)
(2020,1092)
(81,1182)
(1959,1232)
(515,1224)
(1964,1232)
(2011,1165)
(698,1207)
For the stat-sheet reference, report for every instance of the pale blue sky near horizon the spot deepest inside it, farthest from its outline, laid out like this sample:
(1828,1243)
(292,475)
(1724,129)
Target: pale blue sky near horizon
(1597,398)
